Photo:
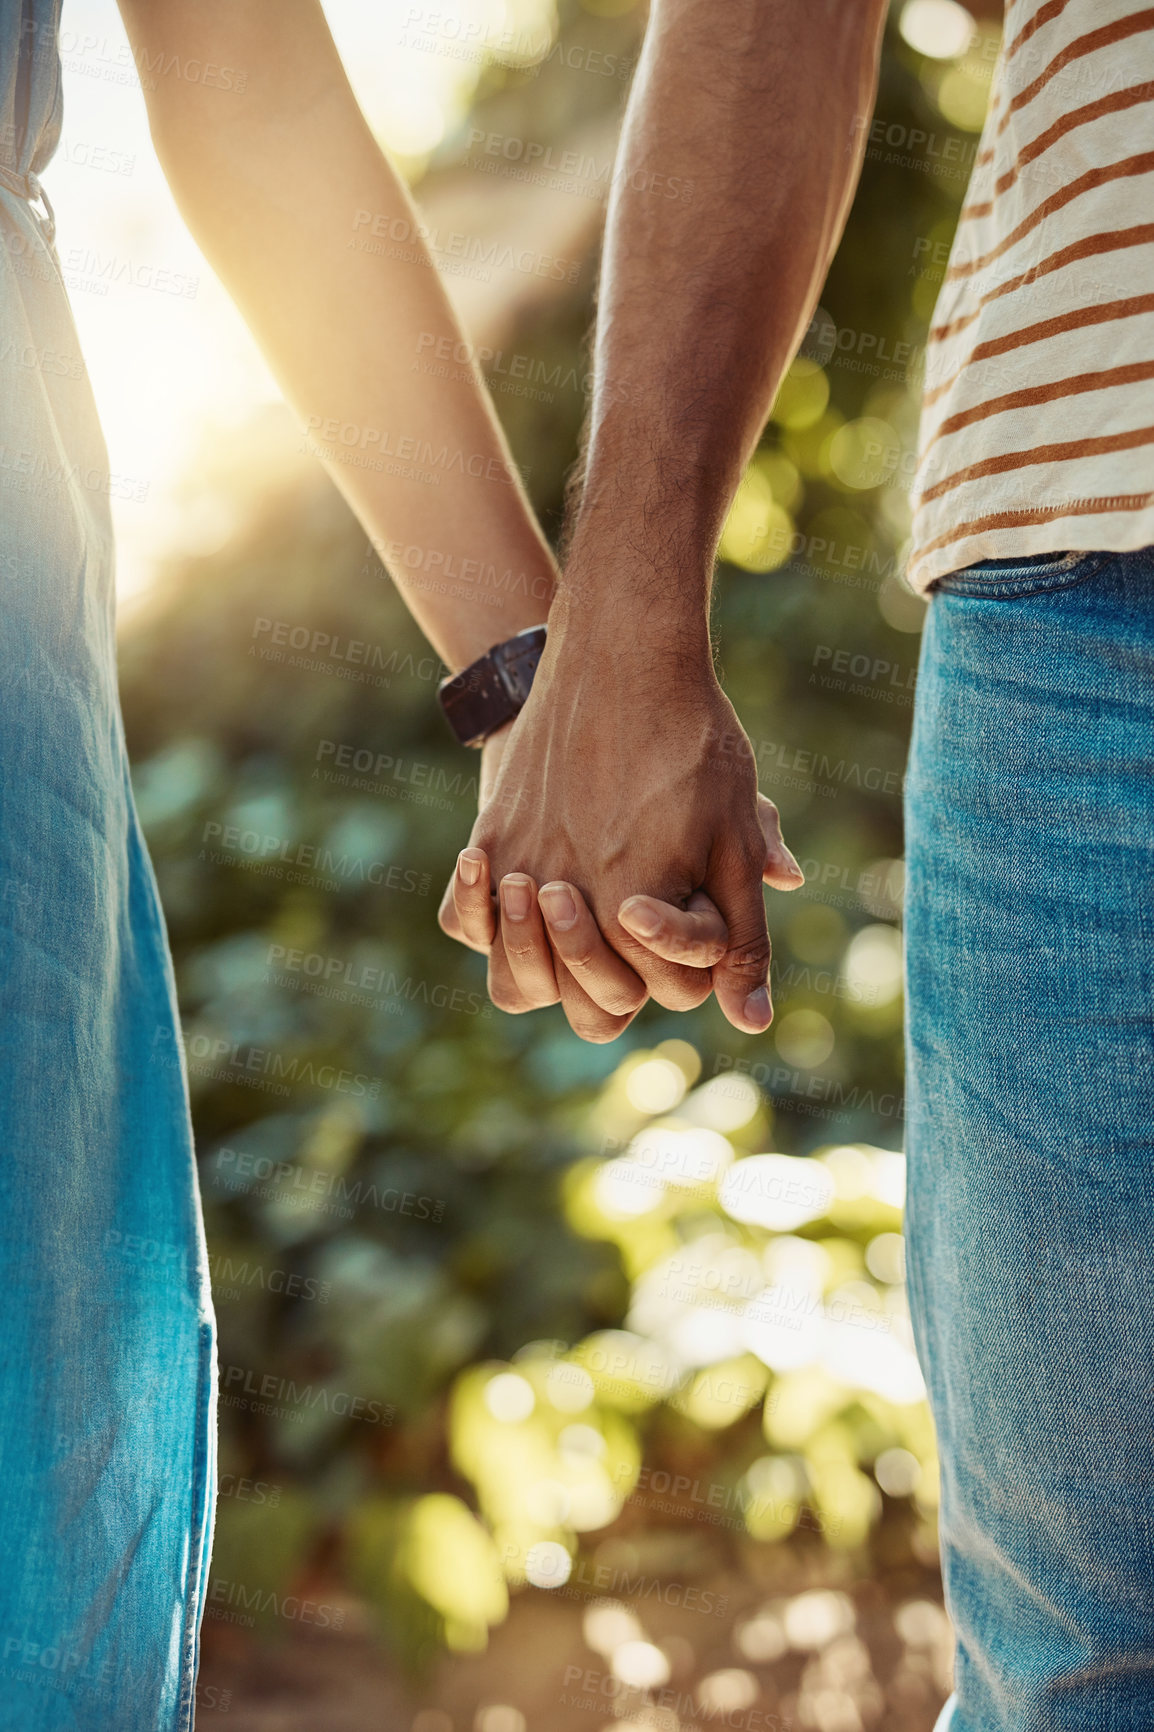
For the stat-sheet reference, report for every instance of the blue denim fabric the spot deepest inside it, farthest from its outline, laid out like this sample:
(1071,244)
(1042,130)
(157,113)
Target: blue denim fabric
(1031,1130)
(107,1360)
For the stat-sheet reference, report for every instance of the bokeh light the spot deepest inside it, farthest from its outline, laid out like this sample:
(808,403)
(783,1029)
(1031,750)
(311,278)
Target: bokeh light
(940,28)
(608,1625)
(509,1398)
(813,1620)
(804,1037)
(727,1691)
(873,964)
(655,1086)
(674,1258)
(775,1191)
(640,1664)
(548,1565)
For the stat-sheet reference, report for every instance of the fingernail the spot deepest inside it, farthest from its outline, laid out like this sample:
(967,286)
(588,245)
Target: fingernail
(516,897)
(560,908)
(794,869)
(639,917)
(469,866)
(757,1008)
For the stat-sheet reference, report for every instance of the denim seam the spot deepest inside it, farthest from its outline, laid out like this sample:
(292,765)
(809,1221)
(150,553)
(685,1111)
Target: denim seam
(996,588)
(201,1515)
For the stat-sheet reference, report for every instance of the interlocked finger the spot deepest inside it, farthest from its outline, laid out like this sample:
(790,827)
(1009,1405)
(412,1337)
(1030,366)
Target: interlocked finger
(595,966)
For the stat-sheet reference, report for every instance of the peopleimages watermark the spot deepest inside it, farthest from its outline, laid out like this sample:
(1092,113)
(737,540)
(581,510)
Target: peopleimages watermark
(859,351)
(540,163)
(116,62)
(232,1275)
(213,1699)
(592,1691)
(283,1398)
(1082,284)
(162,1258)
(85,153)
(86,269)
(619,1371)
(849,564)
(456,252)
(27,471)
(859,675)
(370,985)
(781,1306)
(270,854)
(344,765)
(717,1504)
(474,40)
(348,658)
(245,1490)
(220,1059)
(319,1191)
(446,573)
(946,155)
(871,885)
(798,1092)
(237,1603)
(590,1580)
(803,977)
(799,767)
(412,456)
(447,357)
(59,1663)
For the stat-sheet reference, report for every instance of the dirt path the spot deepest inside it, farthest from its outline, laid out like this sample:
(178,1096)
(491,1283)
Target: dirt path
(849,1662)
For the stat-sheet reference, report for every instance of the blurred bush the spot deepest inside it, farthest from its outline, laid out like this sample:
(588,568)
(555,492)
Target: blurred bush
(484,1291)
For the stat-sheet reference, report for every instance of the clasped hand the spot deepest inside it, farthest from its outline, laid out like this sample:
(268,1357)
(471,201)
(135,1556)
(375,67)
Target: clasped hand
(620,848)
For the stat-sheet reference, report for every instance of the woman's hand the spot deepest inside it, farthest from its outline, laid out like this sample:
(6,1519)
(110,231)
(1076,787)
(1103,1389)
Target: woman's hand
(552,924)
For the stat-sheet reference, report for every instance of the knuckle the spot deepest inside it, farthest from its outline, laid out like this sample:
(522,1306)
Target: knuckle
(749,958)
(683,994)
(506,997)
(597,1030)
(581,958)
(753,852)
(697,952)
(622,1000)
(524,952)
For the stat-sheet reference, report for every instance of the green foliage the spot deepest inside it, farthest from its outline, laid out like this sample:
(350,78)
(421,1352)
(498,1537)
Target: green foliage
(384,1159)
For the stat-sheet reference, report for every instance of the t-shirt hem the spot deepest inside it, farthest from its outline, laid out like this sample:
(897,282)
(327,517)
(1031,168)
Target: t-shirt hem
(1105,534)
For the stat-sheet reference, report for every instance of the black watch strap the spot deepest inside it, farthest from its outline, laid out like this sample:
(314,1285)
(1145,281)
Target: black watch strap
(491,690)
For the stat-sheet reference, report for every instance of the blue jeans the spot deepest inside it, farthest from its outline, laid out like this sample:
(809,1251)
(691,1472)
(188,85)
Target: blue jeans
(107,1392)
(1030,1214)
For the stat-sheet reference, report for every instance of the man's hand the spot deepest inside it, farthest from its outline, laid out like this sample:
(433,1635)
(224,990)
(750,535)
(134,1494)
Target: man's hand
(640,784)
(694,936)
(603,994)
(627,779)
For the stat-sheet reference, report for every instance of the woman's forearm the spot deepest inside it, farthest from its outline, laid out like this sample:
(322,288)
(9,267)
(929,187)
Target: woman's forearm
(315,237)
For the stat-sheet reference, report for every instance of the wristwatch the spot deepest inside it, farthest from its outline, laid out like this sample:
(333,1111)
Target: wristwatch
(492,690)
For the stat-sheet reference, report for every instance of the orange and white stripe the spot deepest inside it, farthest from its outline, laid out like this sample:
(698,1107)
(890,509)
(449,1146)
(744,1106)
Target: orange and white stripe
(1037,432)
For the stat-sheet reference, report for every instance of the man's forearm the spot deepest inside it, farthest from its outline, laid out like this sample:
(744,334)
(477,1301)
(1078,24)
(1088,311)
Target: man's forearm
(284,188)
(761,105)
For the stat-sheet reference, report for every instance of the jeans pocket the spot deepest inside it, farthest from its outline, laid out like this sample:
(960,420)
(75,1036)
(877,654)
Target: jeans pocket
(1026,574)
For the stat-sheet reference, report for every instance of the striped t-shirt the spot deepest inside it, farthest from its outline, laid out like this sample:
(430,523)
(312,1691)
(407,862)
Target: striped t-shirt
(1037,431)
